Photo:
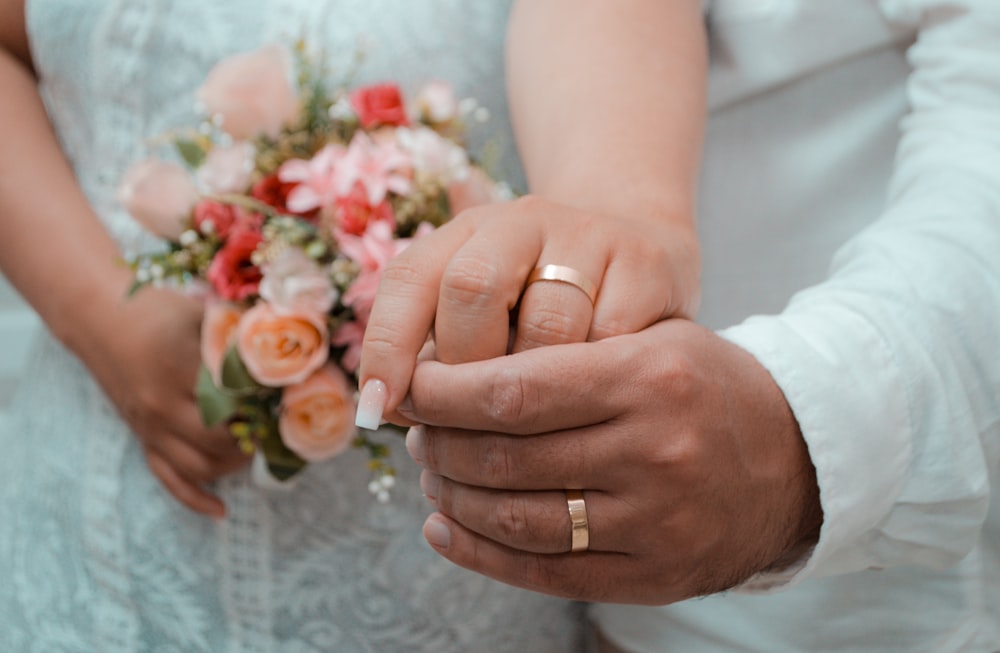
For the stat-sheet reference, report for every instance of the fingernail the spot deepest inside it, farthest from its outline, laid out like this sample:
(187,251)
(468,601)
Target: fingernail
(371,405)
(431,484)
(405,407)
(415,443)
(436,533)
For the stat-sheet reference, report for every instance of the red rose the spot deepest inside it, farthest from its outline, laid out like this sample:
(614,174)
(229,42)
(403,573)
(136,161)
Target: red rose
(379,104)
(353,212)
(231,272)
(272,191)
(220,216)
(224,218)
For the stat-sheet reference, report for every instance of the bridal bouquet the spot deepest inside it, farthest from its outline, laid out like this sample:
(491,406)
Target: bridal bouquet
(280,208)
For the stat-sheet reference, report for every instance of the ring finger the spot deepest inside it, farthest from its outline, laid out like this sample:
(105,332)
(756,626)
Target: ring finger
(535,522)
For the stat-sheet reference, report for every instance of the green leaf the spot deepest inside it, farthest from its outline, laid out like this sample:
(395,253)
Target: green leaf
(192,153)
(282,462)
(235,377)
(215,404)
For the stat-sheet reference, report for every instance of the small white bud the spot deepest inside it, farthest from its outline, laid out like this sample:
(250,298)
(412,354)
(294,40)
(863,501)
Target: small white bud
(188,238)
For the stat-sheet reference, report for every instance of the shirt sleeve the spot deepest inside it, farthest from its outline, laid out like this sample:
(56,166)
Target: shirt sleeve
(892,365)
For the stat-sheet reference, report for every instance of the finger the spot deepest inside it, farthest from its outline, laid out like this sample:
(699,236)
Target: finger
(483,282)
(184,490)
(641,282)
(188,425)
(562,459)
(193,463)
(403,313)
(558,307)
(536,391)
(536,522)
(591,575)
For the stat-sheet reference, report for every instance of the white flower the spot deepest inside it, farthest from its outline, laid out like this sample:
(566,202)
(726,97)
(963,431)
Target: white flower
(434,155)
(436,102)
(227,169)
(294,283)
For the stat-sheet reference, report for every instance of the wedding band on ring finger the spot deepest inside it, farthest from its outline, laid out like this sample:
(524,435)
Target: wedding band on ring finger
(579,521)
(564,274)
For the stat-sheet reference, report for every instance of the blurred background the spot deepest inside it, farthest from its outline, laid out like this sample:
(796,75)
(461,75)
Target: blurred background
(17,323)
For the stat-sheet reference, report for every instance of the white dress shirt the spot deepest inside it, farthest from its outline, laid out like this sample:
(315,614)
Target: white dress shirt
(850,221)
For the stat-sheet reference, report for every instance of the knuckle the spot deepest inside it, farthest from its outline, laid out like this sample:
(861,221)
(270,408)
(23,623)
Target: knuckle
(403,269)
(529,204)
(511,518)
(545,327)
(384,337)
(496,463)
(469,281)
(511,404)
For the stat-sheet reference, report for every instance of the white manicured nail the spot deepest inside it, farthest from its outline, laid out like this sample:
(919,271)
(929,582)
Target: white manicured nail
(371,405)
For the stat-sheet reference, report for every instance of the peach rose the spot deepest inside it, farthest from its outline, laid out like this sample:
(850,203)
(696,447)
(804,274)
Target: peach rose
(252,93)
(159,195)
(280,349)
(218,333)
(317,415)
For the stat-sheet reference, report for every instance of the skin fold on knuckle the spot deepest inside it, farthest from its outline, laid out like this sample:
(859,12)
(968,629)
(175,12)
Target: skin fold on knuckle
(547,327)
(510,518)
(496,466)
(469,282)
(383,338)
(512,403)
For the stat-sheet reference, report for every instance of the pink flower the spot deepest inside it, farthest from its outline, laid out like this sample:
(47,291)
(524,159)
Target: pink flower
(227,168)
(436,102)
(294,283)
(231,272)
(317,415)
(251,93)
(159,195)
(350,335)
(316,179)
(274,192)
(380,166)
(280,349)
(353,213)
(218,333)
(371,251)
(379,104)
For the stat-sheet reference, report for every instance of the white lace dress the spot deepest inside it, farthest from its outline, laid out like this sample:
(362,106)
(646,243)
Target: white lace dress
(94,555)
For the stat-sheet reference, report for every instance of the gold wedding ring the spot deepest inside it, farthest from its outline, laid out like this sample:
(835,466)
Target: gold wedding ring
(564,274)
(578,518)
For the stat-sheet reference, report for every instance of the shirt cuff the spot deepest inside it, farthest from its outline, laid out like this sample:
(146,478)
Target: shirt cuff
(845,391)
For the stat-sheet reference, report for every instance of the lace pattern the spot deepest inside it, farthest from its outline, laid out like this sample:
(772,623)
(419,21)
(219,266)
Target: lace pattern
(100,558)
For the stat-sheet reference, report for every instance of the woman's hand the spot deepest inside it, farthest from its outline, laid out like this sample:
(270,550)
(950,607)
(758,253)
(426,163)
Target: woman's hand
(467,281)
(146,360)
(693,470)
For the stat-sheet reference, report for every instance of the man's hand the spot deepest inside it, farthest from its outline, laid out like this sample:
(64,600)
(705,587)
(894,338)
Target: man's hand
(694,472)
